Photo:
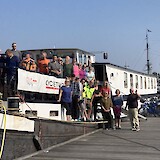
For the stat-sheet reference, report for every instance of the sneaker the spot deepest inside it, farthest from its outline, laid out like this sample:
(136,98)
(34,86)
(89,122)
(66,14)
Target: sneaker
(133,129)
(138,129)
(82,120)
(114,128)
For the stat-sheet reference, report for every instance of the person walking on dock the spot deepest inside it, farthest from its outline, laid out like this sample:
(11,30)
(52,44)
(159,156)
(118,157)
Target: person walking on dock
(132,103)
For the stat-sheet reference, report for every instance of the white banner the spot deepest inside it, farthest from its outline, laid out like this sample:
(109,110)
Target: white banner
(36,82)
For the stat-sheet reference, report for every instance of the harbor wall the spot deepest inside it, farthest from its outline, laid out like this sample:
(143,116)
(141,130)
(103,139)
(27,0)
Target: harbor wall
(46,133)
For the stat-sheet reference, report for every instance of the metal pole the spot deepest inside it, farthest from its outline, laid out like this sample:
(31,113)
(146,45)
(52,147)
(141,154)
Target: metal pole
(148,67)
(147,47)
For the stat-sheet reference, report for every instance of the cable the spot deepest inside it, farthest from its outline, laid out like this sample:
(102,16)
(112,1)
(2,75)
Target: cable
(4,130)
(22,100)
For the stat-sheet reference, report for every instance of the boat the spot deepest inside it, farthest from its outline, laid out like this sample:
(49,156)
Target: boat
(124,79)
(39,122)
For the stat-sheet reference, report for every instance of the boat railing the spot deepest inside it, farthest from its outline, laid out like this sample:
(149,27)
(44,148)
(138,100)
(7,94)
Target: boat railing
(32,86)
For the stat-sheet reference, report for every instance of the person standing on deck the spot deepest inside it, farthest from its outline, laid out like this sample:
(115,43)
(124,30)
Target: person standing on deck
(90,75)
(67,67)
(82,72)
(88,92)
(132,103)
(60,61)
(65,97)
(43,63)
(54,67)
(28,63)
(75,68)
(96,99)
(12,64)
(75,85)
(117,106)
(15,51)
(82,101)
(107,104)
(106,88)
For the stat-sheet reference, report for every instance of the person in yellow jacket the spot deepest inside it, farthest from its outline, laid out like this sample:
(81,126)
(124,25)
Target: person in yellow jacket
(87,95)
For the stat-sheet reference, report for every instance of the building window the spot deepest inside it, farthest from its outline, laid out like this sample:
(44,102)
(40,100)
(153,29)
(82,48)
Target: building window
(125,80)
(131,80)
(141,82)
(136,84)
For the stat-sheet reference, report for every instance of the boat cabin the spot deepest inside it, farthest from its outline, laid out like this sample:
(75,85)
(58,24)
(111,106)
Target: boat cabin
(123,79)
(80,55)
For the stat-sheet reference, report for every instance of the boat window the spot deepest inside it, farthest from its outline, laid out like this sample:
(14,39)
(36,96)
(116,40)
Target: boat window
(31,113)
(136,84)
(125,80)
(155,83)
(148,83)
(141,82)
(131,80)
(85,59)
(53,113)
(80,58)
(100,72)
(145,83)
(111,75)
(151,83)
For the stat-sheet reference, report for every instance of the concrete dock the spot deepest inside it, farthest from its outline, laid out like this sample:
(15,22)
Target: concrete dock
(123,144)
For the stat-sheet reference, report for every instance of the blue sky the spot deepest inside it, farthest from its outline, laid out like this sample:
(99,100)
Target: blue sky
(115,26)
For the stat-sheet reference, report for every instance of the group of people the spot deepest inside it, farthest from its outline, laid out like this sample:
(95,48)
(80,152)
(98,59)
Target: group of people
(81,99)
(58,67)
(81,94)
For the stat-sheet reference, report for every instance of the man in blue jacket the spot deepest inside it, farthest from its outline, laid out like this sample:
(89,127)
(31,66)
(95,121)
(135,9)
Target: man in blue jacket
(12,63)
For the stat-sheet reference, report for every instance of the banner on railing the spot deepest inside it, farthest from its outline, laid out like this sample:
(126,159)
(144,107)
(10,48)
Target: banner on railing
(36,82)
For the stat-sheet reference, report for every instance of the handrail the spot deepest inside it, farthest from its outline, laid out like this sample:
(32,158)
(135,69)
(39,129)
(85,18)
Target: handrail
(4,130)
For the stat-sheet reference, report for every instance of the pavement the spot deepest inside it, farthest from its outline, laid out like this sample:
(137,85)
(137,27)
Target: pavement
(123,144)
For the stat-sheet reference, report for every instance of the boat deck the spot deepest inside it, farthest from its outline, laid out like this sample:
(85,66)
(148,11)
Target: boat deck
(101,144)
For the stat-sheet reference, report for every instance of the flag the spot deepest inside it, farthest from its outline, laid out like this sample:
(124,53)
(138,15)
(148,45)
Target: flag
(149,30)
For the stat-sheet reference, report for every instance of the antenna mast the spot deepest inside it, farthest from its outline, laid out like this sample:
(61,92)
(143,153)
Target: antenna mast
(147,48)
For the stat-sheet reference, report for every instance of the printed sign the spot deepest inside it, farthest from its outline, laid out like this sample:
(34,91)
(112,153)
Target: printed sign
(36,82)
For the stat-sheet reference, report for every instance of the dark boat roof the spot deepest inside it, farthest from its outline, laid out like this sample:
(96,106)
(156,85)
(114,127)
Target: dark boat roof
(127,69)
(58,49)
